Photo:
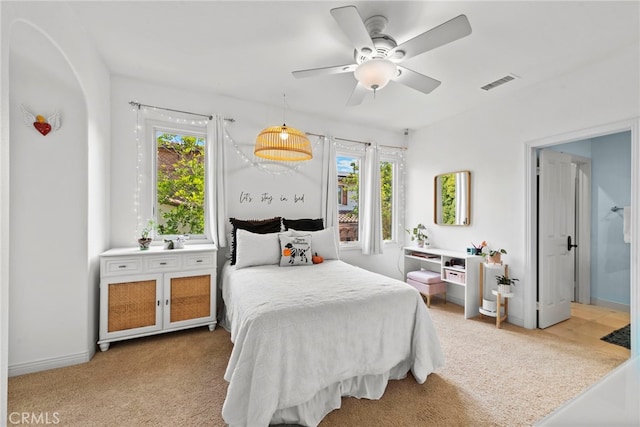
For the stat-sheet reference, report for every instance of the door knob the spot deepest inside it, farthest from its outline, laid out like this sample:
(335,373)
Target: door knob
(569,245)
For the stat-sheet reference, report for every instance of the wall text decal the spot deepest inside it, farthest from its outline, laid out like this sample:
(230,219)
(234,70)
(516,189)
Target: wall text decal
(268,198)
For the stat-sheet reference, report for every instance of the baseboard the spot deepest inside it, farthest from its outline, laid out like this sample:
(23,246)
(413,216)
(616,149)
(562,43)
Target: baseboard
(46,364)
(611,305)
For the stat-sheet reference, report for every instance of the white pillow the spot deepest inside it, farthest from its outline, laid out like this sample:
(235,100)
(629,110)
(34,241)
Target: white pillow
(323,242)
(256,249)
(295,250)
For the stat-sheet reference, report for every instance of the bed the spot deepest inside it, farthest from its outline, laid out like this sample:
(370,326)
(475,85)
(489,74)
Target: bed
(305,336)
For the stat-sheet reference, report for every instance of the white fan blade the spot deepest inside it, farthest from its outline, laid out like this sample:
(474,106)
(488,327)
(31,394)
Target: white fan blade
(447,32)
(416,81)
(352,25)
(358,94)
(324,71)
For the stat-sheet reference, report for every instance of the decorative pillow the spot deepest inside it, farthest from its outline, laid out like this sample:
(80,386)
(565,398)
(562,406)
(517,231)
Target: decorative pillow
(323,242)
(256,249)
(261,226)
(295,250)
(305,224)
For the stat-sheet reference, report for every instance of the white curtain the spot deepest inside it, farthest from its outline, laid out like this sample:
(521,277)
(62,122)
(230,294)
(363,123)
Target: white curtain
(330,186)
(215,197)
(371,214)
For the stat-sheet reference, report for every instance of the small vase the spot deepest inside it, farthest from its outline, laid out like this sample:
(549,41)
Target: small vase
(421,243)
(144,243)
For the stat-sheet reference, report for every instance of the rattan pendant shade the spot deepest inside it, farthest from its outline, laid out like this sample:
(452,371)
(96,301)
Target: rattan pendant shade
(283,143)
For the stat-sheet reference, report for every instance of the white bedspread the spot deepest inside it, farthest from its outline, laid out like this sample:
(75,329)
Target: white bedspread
(304,336)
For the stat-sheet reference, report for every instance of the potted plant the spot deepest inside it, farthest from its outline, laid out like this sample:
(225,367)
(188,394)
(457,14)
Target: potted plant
(145,239)
(494,256)
(504,283)
(419,234)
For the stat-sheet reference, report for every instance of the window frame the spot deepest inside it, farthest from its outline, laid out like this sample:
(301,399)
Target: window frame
(355,244)
(154,126)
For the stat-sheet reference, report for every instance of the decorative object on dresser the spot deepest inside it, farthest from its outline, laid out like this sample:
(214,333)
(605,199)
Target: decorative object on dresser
(419,234)
(155,291)
(458,270)
(145,236)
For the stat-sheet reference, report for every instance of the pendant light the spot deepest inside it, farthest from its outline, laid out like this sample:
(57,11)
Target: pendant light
(283,143)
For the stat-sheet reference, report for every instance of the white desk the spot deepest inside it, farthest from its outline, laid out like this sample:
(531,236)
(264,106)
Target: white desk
(463,273)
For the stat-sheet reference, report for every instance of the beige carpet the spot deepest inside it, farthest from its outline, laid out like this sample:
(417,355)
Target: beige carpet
(506,377)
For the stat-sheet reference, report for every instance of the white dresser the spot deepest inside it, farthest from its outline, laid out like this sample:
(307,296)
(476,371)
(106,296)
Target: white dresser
(155,291)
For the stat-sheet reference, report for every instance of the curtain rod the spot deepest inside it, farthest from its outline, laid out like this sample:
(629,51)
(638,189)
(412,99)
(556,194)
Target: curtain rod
(208,116)
(359,142)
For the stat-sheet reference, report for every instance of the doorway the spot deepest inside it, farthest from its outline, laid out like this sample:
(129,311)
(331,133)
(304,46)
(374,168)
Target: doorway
(531,247)
(564,258)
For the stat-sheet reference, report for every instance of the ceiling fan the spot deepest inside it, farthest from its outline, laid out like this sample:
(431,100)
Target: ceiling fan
(377,55)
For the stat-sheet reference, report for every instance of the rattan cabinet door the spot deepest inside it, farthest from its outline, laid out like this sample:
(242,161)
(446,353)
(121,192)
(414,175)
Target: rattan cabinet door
(130,306)
(189,298)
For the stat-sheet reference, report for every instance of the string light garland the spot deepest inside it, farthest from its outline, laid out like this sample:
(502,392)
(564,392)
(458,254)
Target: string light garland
(265,165)
(165,114)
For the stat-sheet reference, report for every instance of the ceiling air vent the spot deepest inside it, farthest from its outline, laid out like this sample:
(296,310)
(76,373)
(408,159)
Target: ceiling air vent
(499,82)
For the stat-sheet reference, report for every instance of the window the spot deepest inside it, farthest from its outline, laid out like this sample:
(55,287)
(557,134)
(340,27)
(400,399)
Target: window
(179,182)
(349,179)
(348,168)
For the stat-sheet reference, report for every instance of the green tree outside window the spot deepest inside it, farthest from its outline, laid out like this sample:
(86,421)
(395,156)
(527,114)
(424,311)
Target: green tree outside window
(180,184)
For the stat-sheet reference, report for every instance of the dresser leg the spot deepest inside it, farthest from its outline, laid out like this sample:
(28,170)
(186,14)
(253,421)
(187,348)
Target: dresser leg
(104,346)
(212,326)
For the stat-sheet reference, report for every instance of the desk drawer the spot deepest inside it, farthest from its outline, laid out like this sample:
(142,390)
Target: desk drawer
(122,266)
(163,263)
(202,260)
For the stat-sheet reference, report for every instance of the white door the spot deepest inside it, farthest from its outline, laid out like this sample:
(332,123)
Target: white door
(555,256)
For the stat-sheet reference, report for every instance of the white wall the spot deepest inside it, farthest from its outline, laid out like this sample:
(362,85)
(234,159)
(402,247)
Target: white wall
(58,188)
(47,206)
(611,186)
(490,142)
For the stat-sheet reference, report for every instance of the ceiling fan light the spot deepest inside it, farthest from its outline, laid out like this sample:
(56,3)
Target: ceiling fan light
(374,74)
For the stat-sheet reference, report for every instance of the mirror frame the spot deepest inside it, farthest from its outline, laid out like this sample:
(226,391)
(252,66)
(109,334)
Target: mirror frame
(437,204)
